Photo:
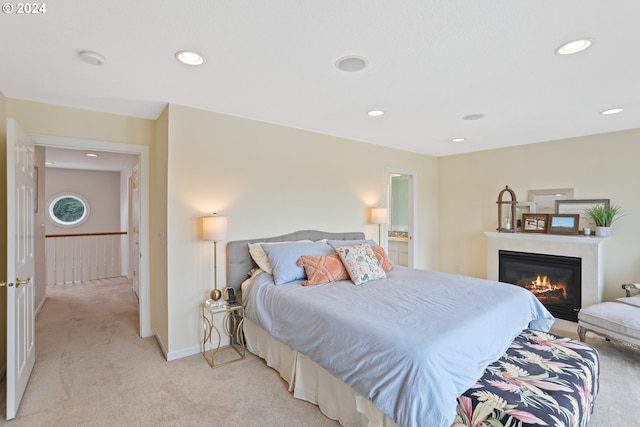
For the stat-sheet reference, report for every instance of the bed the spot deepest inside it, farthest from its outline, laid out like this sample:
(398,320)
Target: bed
(415,348)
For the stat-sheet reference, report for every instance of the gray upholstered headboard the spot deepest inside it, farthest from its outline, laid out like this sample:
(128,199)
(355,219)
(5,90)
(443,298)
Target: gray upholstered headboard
(239,262)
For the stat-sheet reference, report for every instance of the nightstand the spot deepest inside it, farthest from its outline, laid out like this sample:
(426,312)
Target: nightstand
(232,318)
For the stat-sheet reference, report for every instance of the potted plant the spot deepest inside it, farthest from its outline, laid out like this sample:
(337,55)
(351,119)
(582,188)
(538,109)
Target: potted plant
(603,216)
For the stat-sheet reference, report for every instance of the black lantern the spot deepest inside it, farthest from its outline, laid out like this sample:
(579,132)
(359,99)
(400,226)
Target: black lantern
(508,223)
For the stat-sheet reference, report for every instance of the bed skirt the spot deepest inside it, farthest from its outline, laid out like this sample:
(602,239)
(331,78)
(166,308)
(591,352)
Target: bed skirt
(309,381)
(541,378)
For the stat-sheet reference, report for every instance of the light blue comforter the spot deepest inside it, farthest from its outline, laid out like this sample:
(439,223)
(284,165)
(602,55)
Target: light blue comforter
(410,343)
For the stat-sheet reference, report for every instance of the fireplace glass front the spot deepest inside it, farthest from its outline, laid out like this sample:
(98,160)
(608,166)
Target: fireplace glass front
(554,280)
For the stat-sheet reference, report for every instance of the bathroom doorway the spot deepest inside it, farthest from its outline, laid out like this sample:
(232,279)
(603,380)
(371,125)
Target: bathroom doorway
(401,202)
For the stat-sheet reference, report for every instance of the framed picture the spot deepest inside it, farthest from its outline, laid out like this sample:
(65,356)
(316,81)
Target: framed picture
(545,199)
(522,208)
(534,223)
(563,224)
(578,206)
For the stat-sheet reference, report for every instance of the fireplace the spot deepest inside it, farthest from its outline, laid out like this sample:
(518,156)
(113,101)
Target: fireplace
(554,280)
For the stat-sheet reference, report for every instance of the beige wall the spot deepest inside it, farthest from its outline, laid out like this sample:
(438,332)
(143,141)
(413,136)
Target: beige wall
(46,119)
(269,180)
(596,167)
(158,229)
(100,189)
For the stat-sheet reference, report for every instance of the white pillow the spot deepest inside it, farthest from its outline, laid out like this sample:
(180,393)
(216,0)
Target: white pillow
(260,257)
(245,285)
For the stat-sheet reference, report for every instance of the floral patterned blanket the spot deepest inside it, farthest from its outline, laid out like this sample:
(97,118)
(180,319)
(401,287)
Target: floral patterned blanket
(542,380)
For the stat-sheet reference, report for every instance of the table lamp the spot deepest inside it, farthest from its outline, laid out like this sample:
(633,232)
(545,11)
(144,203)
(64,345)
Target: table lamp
(214,228)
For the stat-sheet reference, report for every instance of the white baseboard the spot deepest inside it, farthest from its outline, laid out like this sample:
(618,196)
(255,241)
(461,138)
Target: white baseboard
(40,305)
(160,343)
(174,355)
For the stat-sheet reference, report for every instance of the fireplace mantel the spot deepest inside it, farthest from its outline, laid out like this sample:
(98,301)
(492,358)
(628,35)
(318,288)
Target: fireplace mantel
(579,240)
(589,249)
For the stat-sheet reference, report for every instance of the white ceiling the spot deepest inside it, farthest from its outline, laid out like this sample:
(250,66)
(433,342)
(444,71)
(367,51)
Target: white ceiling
(429,64)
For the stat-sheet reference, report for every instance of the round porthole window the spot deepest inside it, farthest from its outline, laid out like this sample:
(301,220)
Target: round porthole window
(68,210)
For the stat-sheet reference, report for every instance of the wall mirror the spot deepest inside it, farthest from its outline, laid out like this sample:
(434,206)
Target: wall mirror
(401,195)
(399,218)
(545,200)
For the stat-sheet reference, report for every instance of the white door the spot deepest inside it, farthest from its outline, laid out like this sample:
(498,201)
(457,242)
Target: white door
(21,354)
(134,230)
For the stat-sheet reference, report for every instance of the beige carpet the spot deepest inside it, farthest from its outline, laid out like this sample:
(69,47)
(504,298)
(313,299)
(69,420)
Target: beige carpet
(92,369)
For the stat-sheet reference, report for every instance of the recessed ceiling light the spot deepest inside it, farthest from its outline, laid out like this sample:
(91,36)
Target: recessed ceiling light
(190,58)
(612,111)
(351,63)
(91,155)
(457,140)
(375,113)
(91,57)
(574,47)
(473,117)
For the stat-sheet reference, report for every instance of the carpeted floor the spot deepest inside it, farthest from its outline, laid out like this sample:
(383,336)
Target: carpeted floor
(92,369)
(616,404)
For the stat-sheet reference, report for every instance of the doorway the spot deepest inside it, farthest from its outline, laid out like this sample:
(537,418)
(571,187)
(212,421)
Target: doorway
(141,209)
(401,195)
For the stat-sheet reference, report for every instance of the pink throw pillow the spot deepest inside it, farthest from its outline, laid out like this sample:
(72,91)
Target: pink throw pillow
(382,257)
(322,269)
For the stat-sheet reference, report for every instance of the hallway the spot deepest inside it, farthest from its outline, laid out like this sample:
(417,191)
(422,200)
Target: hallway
(92,369)
(86,342)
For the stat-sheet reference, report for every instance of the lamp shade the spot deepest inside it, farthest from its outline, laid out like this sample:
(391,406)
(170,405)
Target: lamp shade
(378,215)
(214,228)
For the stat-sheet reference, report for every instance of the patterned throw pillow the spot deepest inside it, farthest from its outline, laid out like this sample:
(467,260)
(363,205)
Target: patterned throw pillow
(322,269)
(361,263)
(382,258)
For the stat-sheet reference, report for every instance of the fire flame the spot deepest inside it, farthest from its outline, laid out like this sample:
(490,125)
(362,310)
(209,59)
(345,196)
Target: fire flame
(542,284)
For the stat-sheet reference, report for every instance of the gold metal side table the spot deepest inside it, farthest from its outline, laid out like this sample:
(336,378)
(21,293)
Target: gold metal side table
(232,320)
